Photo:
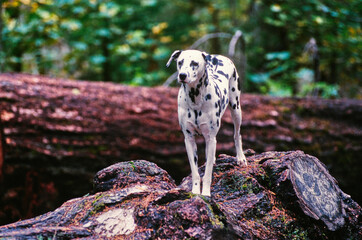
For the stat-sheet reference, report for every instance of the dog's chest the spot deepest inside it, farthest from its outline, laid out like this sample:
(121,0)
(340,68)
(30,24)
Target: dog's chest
(203,105)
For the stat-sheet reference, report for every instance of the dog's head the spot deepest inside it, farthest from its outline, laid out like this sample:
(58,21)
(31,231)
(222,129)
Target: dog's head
(191,65)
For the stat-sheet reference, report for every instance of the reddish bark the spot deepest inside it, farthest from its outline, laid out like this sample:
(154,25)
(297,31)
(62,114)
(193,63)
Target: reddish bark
(66,130)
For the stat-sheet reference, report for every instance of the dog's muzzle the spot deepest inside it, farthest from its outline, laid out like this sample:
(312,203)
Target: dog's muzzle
(182,77)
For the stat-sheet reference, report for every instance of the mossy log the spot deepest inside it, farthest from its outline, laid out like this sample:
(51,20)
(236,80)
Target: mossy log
(139,200)
(57,133)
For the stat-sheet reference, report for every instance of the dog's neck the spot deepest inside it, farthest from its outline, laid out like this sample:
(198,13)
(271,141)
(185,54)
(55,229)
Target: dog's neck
(195,91)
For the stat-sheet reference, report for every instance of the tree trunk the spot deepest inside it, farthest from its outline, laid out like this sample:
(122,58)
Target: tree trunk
(62,129)
(139,200)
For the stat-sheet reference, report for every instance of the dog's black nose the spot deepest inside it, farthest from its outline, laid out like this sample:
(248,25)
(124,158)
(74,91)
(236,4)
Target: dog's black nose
(182,76)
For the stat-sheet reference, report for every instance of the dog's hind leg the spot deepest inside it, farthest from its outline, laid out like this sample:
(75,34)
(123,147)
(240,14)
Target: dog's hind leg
(236,116)
(191,149)
(234,106)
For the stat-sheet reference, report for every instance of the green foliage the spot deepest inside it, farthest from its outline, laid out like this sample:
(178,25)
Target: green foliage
(326,90)
(279,66)
(334,25)
(130,41)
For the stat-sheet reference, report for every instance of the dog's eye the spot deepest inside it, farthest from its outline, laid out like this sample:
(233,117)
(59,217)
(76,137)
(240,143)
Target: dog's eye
(194,64)
(180,63)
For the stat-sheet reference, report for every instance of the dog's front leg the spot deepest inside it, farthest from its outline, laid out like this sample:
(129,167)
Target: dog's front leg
(210,159)
(191,149)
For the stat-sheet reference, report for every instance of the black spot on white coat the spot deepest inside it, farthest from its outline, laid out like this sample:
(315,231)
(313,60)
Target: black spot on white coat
(223,74)
(239,84)
(193,93)
(196,114)
(180,63)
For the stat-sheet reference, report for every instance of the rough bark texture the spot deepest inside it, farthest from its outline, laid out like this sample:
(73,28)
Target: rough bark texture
(139,200)
(58,133)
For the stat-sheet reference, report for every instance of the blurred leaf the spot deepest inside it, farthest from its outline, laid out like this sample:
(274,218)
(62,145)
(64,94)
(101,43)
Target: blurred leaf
(278,55)
(71,24)
(124,49)
(97,59)
(103,32)
(276,88)
(161,53)
(148,3)
(109,9)
(64,2)
(274,22)
(259,77)
(81,46)
(79,10)
(136,37)
(275,8)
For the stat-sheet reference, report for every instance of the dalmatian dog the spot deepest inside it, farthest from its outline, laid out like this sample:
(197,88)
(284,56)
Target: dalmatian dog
(209,83)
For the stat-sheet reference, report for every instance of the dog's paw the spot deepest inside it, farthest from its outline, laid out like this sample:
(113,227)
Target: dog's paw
(206,193)
(242,161)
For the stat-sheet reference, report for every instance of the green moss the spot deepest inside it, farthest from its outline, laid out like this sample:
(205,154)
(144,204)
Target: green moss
(191,195)
(132,165)
(97,208)
(97,204)
(215,219)
(297,234)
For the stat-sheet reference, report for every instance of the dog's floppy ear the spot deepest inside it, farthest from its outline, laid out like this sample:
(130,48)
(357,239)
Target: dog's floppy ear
(174,56)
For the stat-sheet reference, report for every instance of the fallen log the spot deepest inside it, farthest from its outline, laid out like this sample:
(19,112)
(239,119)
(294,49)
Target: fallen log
(58,133)
(139,200)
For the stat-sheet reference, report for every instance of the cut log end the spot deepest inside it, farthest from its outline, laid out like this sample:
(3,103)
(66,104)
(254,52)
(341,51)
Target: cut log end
(318,194)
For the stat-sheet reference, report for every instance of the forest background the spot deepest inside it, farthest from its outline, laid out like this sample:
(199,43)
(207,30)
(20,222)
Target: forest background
(130,41)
